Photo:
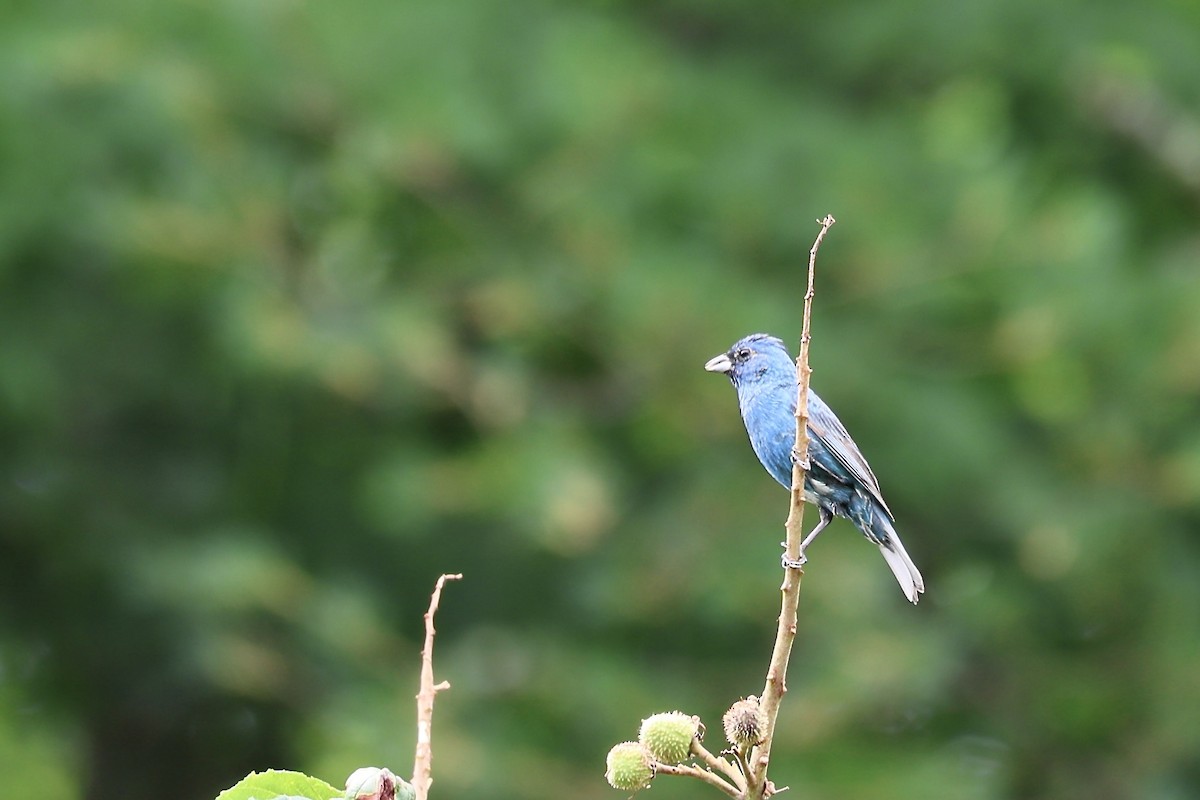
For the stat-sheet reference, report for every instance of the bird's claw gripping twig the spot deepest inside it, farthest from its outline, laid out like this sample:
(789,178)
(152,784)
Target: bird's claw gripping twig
(790,563)
(803,462)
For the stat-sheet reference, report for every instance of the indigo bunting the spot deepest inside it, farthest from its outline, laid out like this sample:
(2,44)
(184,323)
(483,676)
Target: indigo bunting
(838,481)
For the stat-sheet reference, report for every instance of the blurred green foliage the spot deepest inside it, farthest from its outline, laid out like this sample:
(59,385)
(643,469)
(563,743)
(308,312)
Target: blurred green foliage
(303,304)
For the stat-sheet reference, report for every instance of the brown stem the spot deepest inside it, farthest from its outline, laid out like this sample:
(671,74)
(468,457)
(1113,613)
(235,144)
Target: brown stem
(776,686)
(423,763)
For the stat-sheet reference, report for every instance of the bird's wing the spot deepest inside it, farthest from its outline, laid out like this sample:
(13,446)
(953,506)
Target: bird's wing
(833,435)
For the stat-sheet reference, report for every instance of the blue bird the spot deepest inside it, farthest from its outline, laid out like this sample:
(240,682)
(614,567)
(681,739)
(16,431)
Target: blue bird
(839,482)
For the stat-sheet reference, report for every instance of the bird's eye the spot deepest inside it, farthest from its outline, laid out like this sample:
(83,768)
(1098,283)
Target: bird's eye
(742,355)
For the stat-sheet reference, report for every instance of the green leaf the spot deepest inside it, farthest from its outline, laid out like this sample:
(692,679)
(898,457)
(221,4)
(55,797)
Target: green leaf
(275,783)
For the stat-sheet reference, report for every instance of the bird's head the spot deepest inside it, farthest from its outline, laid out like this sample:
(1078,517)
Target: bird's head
(753,358)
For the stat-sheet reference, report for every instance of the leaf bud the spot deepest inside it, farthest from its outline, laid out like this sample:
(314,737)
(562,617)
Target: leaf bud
(377,783)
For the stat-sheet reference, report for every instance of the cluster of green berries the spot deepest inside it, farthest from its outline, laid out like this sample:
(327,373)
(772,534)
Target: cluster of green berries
(667,739)
(663,739)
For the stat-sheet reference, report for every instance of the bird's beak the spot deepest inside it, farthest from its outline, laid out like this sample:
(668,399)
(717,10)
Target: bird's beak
(719,363)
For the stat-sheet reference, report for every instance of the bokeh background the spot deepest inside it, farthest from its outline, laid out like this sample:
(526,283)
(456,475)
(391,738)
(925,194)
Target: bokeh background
(303,304)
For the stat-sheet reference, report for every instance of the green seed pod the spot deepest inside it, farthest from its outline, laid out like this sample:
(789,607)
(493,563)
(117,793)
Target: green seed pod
(630,767)
(745,723)
(669,736)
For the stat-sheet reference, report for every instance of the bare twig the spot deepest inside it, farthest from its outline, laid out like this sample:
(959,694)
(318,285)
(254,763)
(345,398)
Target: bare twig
(776,685)
(716,762)
(740,756)
(706,775)
(423,763)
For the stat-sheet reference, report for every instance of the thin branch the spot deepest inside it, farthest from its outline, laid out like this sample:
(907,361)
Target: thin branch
(776,685)
(743,765)
(708,776)
(423,763)
(716,762)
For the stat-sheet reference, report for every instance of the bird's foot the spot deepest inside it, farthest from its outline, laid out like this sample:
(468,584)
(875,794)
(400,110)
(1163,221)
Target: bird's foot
(793,563)
(803,462)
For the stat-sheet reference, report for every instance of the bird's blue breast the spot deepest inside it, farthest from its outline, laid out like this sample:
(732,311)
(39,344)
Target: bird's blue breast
(771,422)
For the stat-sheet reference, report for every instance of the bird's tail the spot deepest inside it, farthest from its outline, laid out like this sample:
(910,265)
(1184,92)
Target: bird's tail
(906,572)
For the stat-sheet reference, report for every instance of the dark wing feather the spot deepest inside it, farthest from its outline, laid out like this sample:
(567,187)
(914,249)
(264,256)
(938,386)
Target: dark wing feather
(825,425)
